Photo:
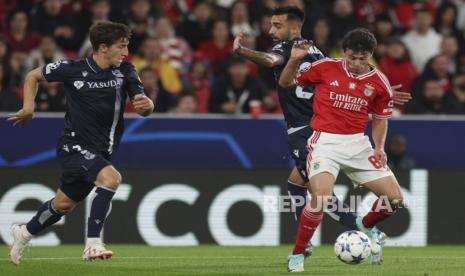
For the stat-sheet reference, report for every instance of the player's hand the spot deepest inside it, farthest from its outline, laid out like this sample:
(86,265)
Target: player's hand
(400,97)
(300,49)
(238,41)
(381,156)
(21,117)
(142,104)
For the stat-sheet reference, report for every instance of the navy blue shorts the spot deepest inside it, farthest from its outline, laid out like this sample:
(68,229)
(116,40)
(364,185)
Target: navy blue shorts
(81,165)
(297,144)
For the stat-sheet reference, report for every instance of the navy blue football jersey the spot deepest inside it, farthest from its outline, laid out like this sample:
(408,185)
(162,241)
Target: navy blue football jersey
(95,99)
(296,102)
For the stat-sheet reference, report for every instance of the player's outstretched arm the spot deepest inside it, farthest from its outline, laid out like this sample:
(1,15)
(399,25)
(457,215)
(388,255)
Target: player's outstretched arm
(299,51)
(143,105)
(30,91)
(379,132)
(261,58)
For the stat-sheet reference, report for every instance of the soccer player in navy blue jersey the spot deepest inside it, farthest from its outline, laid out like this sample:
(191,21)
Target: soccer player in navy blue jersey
(297,102)
(96,91)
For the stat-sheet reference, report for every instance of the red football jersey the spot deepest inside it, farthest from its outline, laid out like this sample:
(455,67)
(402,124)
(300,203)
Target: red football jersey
(343,100)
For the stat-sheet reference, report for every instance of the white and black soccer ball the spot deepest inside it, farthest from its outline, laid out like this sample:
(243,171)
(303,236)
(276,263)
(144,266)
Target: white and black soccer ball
(352,247)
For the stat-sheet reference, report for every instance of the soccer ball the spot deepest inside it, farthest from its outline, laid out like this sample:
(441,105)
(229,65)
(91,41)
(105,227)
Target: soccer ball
(352,247)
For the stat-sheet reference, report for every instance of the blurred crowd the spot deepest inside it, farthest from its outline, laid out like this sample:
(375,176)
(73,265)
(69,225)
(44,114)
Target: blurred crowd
(182,49)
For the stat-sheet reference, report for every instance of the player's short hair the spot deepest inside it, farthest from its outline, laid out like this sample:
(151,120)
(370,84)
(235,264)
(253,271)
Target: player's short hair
(359,40)
(108,33)
(292,12)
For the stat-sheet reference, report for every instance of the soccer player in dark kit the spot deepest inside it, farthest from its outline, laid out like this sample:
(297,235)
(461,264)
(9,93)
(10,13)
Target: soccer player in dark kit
(96,91)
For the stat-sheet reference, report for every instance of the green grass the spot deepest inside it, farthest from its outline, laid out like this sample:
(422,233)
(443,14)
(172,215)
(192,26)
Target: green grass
(216,260)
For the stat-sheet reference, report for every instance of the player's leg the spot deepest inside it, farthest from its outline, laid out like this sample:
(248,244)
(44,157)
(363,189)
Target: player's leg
(48,214)
(298,143)
(107,181)
(297,183)
(366,171)
(297,190)
(322,189)
(390,199)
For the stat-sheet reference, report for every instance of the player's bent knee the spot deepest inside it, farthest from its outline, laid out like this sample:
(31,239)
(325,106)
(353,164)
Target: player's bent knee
(63,207)
(112,180)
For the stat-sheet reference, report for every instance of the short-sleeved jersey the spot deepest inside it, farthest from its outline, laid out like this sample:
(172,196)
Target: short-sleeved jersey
(296,102)
(344,100)
(95,100)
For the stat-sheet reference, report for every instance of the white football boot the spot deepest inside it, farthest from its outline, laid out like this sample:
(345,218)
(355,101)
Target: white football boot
(95,250)
(21,238)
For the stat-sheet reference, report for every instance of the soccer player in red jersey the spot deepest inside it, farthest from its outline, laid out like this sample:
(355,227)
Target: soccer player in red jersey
(347,91)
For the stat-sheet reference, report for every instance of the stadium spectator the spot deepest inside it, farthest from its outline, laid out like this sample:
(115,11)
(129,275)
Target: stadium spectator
(458,89)
(175,10)
(47,52)
(17,62)
(422,34)
(162,99)
(219,47)
(197,27)
(198,82)
(321,32)
(405,11)
(397,154)
(342,19)
(9,97)
(446,21)
(326,21)
(397,65)
(150,55)
(233,92)
(460,14)
(99,11)
(240,19)
(141,23)
(50,97)
(384,30)
(51,20)
(450,48)
(264,41)
(175,48)
(433,100)
(187,104)
(75,8)
(436,68)
(19,37)
(367,10)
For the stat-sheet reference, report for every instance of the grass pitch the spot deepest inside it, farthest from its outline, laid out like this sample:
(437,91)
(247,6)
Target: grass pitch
(216,260)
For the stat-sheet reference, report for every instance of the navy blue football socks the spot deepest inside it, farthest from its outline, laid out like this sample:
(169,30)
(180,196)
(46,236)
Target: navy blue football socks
(346,216)
(46,215)
(299,198)
(99,210)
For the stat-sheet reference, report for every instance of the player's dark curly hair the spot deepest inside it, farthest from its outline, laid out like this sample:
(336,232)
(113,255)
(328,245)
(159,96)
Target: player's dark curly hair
(292,12)
(108,33)
(359,40)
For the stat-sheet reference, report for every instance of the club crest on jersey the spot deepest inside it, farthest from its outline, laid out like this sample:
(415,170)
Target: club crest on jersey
(84,73)
(304,67)
(78,84)
(316,165)
(368,90)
